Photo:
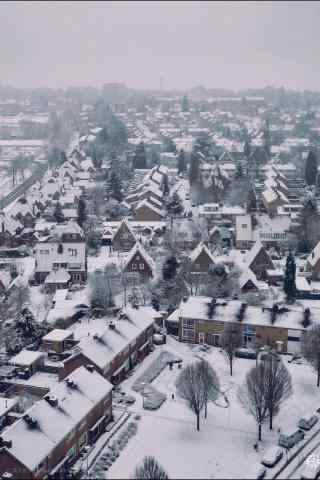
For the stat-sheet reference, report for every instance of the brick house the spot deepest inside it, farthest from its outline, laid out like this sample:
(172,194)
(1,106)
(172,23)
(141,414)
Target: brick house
(138,261)
(57,428)
(145,211)
(65,248)
(201,259)
(259,261)
(195,326)
(123,239)
(113,348)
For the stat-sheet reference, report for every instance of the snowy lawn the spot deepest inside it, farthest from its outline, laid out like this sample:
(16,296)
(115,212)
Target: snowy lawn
(224,446)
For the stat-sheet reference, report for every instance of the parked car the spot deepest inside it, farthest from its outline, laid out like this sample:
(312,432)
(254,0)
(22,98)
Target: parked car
(245,353)
(291,439)
(272,456)
(308,423)
(311,467)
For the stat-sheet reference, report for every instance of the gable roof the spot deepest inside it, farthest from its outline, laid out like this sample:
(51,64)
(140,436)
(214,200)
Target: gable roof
(314,256)
(138,248)
(201,248)
(254,252)
(146,203)
(124,224)
(247,276)
(55,423)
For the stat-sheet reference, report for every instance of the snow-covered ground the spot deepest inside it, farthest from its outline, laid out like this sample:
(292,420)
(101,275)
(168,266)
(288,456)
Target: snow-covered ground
(224,446)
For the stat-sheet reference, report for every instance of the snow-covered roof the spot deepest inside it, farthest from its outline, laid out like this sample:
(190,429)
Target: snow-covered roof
(198,250)
(196,307)
(26,358)
(269,195)
(252,254)
(5,278)
(55,423)
(101,344)
(302,284)
(138,248)
(314,256)
(247,276)
(58,276)
(57,335)
(146,203)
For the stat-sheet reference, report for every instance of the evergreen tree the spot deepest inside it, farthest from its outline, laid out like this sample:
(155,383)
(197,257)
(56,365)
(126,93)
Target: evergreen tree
(251,201)
(115,187)
(169,269)
(185,104)
(181,162)
(239,172)
(140,159)
(311,168)
(194,168)
(289,285)
(58,214)
(247,149)
(307,224)
(174,204)
(82,213)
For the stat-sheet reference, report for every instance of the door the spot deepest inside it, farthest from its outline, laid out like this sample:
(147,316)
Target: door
(201,338)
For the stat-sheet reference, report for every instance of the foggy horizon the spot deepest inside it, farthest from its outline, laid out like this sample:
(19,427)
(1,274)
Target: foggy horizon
(223,45)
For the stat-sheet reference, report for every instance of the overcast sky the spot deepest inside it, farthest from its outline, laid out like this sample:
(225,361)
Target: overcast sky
(215,44)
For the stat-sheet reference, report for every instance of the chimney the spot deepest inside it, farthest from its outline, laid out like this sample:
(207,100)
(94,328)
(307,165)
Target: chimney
(112,325)
(90,367)
(52,400)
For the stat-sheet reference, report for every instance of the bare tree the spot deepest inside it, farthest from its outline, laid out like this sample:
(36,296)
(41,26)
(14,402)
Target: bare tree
(211,383)
(150,469)
(104,285)
(310,347)
(278,384)
(191,387)
(252,395)
(19,295)
(230,340)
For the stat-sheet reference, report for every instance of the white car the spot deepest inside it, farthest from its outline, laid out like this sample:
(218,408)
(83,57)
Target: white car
(272,456)
(311,467)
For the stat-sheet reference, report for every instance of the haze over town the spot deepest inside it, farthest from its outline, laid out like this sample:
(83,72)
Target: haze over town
(159,240)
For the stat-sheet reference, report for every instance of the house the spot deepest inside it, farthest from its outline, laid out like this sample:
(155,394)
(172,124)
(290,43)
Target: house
(259,326)
(259,261)
(244,231)
(123,239)
(28,360)
(313,263)
(201,259)
(56,280)
(23,212)
(113,347)
(220,236)
(146,211)
(57,428)
(138,261)
(9,230)
(64,248)
(58,340)
(248,282)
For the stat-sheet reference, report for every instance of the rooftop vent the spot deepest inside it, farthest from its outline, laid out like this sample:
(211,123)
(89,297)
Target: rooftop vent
(4,443)
(112,325)
(71,383)
(52,400)
(31,421)
(90,367)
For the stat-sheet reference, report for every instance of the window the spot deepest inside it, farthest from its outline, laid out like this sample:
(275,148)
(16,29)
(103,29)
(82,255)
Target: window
(141,266)
(188,323)
(73,252)
(188,334)
(134,266)
(244,225)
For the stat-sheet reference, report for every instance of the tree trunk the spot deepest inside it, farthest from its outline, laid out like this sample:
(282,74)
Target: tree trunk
(198,422)
(259,430)
(205,409)
(270,419)
(231,366)
(318,379)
